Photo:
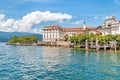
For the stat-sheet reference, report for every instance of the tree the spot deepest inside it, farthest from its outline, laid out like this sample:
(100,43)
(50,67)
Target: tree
(110,37)
(66,37)
(102,39)
(14,39)
(118,41)
(23,39)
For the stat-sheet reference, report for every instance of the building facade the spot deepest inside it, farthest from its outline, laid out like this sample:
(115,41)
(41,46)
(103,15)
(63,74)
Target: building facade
(52,33)
(57,33)
(111,26)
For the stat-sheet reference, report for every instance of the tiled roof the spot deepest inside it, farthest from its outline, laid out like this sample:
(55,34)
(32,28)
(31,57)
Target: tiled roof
(53,27)
(97,31)
(72,29)
(77,29)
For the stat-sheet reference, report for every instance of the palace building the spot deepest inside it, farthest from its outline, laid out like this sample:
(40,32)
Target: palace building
(57,33)
(111,26)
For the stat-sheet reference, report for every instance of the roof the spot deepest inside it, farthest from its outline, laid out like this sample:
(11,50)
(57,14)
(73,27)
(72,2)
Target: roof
(72,29)
(55,27)
(97,31)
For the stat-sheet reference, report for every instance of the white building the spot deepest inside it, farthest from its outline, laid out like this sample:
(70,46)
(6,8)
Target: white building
(52,33)
(57,33)
(111,26)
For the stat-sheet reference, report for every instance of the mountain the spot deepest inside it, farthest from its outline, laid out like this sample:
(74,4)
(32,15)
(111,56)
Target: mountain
(6,36)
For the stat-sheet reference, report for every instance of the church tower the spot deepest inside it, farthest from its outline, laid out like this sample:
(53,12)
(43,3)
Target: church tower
(84,25)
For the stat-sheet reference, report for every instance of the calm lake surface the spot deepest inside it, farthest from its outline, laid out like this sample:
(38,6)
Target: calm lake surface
(49,63)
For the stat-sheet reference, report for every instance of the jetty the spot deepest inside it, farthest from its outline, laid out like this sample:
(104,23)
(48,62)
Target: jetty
(97,46)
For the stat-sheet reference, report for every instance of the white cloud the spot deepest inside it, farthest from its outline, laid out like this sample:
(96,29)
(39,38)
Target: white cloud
(77,22)
(61,21)
(109,16)
(95,17)
(2,16)
(27,22)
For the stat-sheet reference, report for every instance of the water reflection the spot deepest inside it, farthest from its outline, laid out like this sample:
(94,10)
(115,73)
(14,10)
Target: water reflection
(28,55)
(113,57)
(55,57)
(86,53)
(49,63)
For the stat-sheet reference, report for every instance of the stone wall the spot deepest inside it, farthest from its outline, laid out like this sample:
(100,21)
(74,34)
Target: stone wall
(63,43)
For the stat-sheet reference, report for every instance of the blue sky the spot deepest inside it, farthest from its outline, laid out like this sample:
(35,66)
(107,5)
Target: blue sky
(93,12)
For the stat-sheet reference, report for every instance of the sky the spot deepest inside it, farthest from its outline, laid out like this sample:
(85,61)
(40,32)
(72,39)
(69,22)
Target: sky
(34,15)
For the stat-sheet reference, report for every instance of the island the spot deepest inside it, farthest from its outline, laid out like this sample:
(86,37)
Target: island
(86,41)
(23,41)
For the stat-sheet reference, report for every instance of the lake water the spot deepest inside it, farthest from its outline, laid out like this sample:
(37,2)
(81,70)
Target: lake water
(49,63)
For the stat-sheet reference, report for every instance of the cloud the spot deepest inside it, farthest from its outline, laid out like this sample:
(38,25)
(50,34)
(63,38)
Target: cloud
(95,17)
(61,21)
(77,22)
(28,21)
(109,16)
(2,16)
(106,17)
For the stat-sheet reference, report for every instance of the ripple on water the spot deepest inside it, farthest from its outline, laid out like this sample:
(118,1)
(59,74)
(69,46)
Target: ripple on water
(48,63)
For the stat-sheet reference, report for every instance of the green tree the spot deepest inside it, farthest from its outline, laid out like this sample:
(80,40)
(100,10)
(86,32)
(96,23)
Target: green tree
(118,41)
(102,39)
(110,37)
(23,39)
(14,40)
(66,37)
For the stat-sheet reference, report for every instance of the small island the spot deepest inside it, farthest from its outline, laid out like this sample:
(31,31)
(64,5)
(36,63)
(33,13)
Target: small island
(23,41)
